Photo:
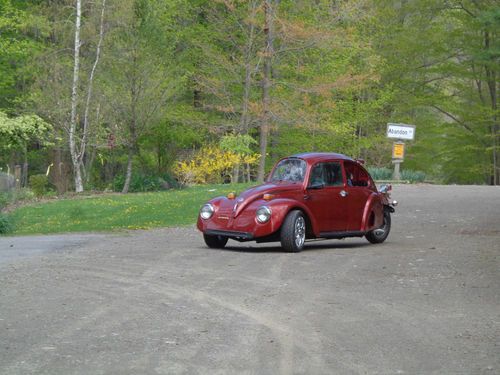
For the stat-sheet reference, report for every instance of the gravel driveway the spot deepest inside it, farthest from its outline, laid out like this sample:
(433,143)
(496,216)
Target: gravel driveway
(159,302)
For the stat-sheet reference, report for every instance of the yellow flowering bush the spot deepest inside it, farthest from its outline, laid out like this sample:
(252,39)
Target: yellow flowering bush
(211,165)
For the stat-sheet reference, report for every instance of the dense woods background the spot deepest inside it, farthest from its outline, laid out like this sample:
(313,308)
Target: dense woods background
(144,94)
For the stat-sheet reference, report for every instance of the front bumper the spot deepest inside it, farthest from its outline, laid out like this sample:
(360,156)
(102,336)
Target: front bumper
(239,236)
(242,228)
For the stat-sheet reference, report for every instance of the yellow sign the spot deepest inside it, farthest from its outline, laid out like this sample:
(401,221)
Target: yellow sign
(398,150)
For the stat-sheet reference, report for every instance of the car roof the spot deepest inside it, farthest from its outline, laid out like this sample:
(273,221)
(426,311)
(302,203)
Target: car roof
(320,156)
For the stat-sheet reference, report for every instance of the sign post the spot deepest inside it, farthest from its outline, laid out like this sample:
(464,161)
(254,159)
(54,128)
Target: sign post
(399,132)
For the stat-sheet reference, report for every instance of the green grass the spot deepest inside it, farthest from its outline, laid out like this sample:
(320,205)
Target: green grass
(114,211)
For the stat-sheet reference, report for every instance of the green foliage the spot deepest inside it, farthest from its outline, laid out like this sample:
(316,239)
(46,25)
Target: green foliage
(16,132)
(38,184)
(177,75)
(142,183)
(412,176)
(6,225)
(23,194)
(409,175)
(5,199)
(22,32)
(442,82)
(381,173)
(240,144)
(14,196)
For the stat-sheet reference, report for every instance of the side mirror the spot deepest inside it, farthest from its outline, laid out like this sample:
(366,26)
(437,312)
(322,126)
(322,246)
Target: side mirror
(385,188)
(316,186)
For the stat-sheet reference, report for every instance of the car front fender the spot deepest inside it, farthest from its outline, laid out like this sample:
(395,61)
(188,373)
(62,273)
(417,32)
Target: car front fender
(373,205)
(282,206)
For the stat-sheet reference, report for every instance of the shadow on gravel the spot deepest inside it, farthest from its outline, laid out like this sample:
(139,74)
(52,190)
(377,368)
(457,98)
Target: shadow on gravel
(309,247)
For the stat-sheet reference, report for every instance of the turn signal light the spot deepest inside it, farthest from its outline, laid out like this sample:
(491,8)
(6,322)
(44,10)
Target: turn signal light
(267,197)
(231,195)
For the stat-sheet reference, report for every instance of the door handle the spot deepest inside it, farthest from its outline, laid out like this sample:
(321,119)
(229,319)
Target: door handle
(307,197)
(343,193)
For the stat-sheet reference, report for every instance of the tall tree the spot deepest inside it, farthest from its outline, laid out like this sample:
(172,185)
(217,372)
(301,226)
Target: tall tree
(74,100)
(266,85)
(141,71)
(78,142)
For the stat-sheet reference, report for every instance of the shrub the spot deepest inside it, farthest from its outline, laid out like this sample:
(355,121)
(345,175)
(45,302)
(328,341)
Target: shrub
(14,196)
(406,174)
(5,224)
(143,183)
(413,176)
(380,173)
(169,182)
(211,164)
(38,183)
(22,194)
(5,199)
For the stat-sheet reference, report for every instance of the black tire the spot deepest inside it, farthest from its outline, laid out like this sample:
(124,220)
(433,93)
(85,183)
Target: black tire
(293,232)
(379,235)
(215,242)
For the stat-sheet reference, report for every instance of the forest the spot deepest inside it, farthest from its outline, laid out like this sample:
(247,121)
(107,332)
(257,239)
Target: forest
(138,95)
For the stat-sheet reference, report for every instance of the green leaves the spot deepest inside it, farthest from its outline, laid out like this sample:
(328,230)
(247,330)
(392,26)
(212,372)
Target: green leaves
(16,132)
(21,36)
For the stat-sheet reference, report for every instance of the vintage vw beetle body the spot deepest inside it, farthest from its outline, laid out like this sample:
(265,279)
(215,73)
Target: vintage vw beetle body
(307,196)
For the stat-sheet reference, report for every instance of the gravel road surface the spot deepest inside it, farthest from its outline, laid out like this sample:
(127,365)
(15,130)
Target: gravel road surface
(159,302)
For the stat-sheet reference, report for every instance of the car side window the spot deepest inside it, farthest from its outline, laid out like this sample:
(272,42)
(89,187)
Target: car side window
(329,174)
(317,175)
(333,174)
(356,176)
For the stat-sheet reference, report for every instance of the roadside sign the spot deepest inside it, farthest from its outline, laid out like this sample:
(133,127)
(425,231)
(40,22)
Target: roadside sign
(398,150)
(401,131)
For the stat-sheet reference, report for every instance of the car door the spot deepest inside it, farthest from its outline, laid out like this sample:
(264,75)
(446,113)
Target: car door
(358,189)
(325,199)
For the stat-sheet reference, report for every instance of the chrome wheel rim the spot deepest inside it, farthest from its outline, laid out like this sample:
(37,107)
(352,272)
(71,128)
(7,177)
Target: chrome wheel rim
(300,231)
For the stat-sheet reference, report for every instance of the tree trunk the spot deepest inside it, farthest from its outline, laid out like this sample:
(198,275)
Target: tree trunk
(492,89)
(243,128)
(128,175)
(24,174)
(89,163)
(236,174)
(74,102)
(83,144)
(266,85)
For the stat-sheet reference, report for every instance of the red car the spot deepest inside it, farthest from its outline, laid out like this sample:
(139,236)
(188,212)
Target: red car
(307,196)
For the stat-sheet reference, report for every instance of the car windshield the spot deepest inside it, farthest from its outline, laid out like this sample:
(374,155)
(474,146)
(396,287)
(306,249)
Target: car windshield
(292,170)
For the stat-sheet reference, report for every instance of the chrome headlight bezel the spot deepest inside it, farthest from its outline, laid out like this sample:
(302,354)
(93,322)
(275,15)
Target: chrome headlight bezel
(263,214)
(207,211)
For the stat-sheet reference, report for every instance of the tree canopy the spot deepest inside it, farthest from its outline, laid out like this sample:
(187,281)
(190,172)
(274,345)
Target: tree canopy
(139,88)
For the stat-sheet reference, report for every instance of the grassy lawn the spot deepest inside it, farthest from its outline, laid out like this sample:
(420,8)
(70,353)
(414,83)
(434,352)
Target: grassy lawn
(115,211)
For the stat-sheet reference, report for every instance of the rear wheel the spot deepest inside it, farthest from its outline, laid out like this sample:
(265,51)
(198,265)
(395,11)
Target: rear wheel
(379,235)
(293,232)
(215,242)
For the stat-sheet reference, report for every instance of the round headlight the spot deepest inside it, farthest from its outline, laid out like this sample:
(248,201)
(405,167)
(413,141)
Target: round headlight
(207,211)
(263,214)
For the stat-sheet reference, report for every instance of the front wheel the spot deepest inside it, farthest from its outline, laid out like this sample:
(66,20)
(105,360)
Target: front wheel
(293,232)
(379,235)
(215,242)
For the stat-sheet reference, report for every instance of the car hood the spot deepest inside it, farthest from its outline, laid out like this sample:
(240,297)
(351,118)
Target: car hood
(237,205)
